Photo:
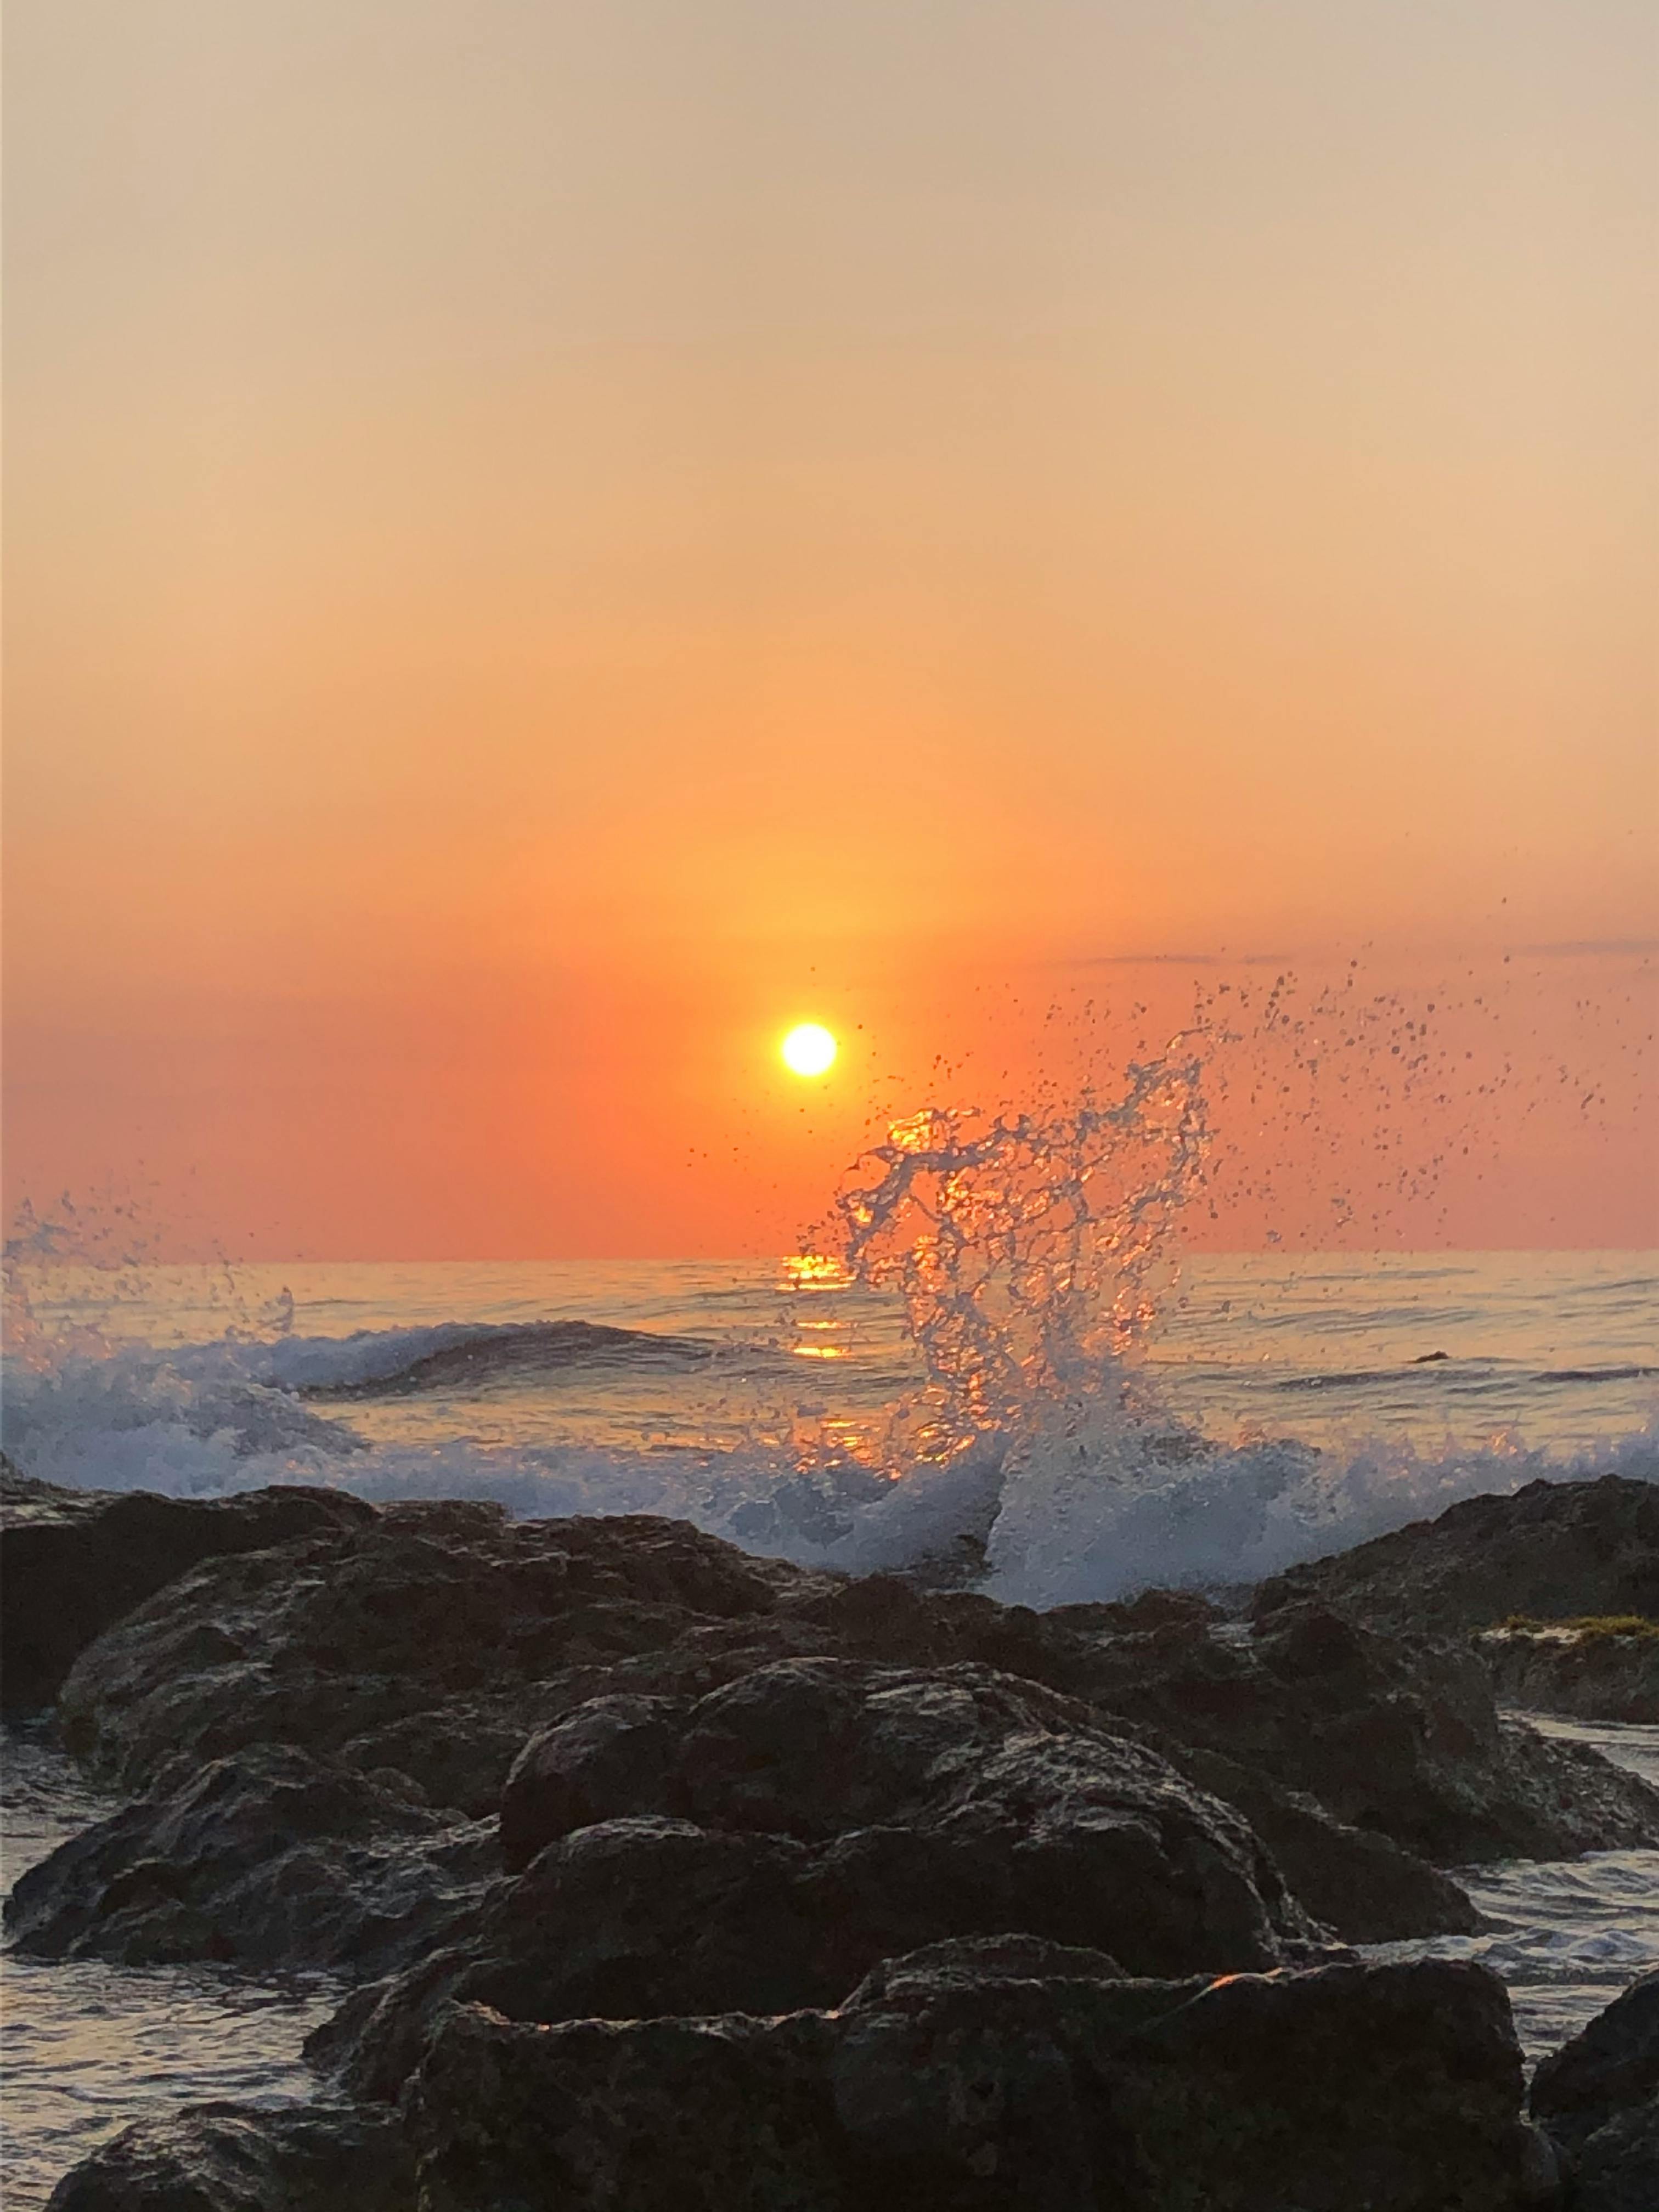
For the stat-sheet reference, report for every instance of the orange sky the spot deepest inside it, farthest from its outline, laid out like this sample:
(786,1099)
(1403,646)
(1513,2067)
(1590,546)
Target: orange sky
(545,543)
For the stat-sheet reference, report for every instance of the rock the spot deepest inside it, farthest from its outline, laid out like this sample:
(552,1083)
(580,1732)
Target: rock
(272,1859)
(1606,2069)
(763,1848)
(970,1961)
(654,2115)
(1594,1671)
(438,1639)
(1554,1551)
(467,1627)
(647,1917)
(1360,1885)
(1618,2168)
(230,2158)
(74,1561)
(1014,2080)
(1397,1737)
(611,1757)
(1356,2086)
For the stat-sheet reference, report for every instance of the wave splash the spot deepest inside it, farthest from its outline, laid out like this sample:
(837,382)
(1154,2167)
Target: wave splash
(1028,1250)
(1020,1245)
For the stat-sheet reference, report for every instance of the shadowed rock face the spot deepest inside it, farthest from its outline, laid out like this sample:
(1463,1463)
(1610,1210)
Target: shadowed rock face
(273,1858)
(435,1640)
(985,2082)
(1598,2097)
(814,1748)
(1555,1551)
(1590,1673)
(439,1634)
(729,1792)
(1610,2066)
(766,1846)
(230,2158)
(74,1561)
(1000,2074)
(1398,1735)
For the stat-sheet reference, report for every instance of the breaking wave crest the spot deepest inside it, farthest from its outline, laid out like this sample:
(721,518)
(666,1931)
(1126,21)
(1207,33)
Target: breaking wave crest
(1081,1511)
(461,1355)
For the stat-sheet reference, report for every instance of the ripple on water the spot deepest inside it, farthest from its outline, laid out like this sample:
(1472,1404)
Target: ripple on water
(1567,1935)
(87,2048)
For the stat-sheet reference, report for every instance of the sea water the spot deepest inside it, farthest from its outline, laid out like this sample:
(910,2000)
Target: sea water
(1241,1414)
(1266,1409)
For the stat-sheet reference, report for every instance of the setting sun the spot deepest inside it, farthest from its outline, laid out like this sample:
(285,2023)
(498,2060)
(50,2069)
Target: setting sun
(809,1050)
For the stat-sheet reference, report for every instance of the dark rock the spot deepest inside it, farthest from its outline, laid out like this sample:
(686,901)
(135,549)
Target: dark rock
(1019,2080)
(1591,1673)
(815,1818)
(1607,2068)
(270,1858)
(1554,1551)
(437,1639)
(1399,1737)
(654,2115)
(74,1561)
(642,1916)
(1618,2168)
(611,1757)
(1360,1885)
(1356,2086)
(230,2158)
(456,1615)
(970,1961)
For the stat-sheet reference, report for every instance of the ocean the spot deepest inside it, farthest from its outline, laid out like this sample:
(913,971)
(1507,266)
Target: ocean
(1236,1414)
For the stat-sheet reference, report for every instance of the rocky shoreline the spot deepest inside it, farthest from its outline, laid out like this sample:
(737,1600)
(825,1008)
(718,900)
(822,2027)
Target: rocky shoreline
(666,1875)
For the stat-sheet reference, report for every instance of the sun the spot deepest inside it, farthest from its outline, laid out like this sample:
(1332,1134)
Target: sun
(809,1050)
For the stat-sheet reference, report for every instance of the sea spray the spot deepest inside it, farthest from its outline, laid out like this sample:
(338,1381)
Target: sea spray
(1020,1243)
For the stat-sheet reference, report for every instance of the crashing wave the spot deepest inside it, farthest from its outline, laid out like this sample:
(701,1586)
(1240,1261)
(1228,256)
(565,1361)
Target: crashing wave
(385,1362)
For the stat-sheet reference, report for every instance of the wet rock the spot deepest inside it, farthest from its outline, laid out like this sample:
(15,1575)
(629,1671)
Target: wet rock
(1555,1551)
(732,2115)
(1606,2069)
(611,1757)
(1357,2085)
(1399,1736)
(1360,1885)
(271,1858)
(453,1614)
(436,1640)
(230,2158)
(1618,2167)
(1024,2083)
(1599,1671)
(647,1917)
(771,1843)
(75,1561)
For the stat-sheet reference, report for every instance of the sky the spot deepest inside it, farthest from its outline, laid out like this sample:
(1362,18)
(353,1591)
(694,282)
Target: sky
(546,544)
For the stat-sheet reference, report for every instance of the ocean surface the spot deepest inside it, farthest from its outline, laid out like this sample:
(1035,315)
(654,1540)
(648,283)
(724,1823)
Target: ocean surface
(1231,1417)
(1252,1411)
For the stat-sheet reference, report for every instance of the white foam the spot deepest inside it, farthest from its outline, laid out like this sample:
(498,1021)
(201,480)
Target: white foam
(1119,1505)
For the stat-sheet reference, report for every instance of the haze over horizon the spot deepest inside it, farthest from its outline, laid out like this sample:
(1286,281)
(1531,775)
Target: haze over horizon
(547,545)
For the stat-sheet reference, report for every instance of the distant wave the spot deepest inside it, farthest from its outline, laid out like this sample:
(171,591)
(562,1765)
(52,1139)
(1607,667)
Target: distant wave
(1041,1519)
(397,1363)
(1458,1370)
(1598,1374)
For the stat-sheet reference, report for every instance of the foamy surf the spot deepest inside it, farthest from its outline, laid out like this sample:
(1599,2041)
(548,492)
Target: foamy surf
(1132,1499)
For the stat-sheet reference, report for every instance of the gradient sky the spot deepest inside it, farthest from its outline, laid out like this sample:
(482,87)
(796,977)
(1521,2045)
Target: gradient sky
(548,542)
